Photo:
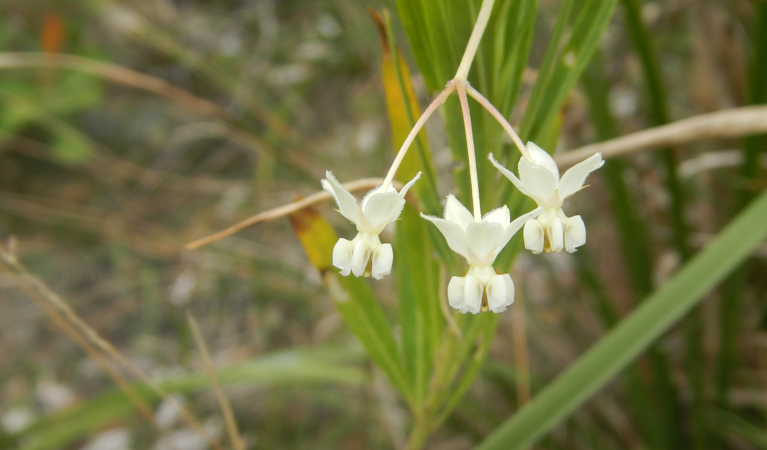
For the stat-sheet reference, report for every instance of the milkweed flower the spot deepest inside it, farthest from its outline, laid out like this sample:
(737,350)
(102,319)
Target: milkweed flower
(479,242)
(551,231)
(365,255)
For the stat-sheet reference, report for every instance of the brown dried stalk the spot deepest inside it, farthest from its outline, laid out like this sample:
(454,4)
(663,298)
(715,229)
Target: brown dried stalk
(62,312)
(728,123)
(281,211)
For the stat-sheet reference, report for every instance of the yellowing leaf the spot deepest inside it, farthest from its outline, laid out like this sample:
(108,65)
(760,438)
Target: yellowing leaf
(401,102)
(316,235)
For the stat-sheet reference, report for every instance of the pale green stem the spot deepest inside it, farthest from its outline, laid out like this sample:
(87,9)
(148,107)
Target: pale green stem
(461,88)
(440,99)
(499,117)
(476,36)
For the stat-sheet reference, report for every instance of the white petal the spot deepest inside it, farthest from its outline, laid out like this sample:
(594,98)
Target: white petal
(572,181)
(510,175)
(382,261)
(538,181)
(500,293)
(556,234)
(472,294)
(375,191)
(342,256)
(575,233)
(533,236)
(542,158)
(501,216)
(347,204)
(517,223)
(456,295)
(484,240)
(360,258)
(380,210)
(454,234)
(457,213)
(410,184)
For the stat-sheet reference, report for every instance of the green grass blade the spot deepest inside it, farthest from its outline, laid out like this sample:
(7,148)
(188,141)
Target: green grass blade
(634,334)
(418,287)
(660,115)
(564,62)
(753,148)
(638,261)
(303,367)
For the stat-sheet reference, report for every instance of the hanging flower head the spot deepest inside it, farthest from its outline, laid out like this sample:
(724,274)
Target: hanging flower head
(552,231)
(479,242)
(365,254)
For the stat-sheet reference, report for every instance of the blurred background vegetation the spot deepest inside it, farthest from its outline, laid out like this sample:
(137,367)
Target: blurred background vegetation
(128,129)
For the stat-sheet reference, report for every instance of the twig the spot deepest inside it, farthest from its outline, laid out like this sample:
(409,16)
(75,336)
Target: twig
(60,309)
(223,403)
(728,123)
(112,72)
(284,210)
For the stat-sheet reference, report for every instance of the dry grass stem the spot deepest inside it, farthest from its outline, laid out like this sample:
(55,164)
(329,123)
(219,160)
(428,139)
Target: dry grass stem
(728,123)
(57,307)
(112,72)
(124,384)
(521,354)
(223,402)
(284,210)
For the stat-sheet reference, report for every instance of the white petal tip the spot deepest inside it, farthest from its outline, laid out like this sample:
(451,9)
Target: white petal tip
(382,261)
(342,256)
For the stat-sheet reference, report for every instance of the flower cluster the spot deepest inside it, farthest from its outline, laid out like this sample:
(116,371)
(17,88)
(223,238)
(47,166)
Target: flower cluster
(478,238)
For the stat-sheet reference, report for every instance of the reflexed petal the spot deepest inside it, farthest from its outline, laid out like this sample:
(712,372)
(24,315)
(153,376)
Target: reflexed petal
(342,256)
(382,261)
(501,216)
(375,191)
(472,295)
(510,175)
(456,295)
(572,181)
(533,236)
(457,213)
(360,258)
(409,184)
(483,242)
(517,223)
(500,293)
(380,210)
(454,234)
(539,182)
(556,234)
(575,233)
(542,158)
(347,205)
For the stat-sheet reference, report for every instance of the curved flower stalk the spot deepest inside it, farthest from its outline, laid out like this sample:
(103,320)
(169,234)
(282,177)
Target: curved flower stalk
(479,242)
(552,231)
(365,255)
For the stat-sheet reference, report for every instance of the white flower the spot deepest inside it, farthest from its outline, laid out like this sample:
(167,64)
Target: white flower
(479,242)
(365,254)
(551,231)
